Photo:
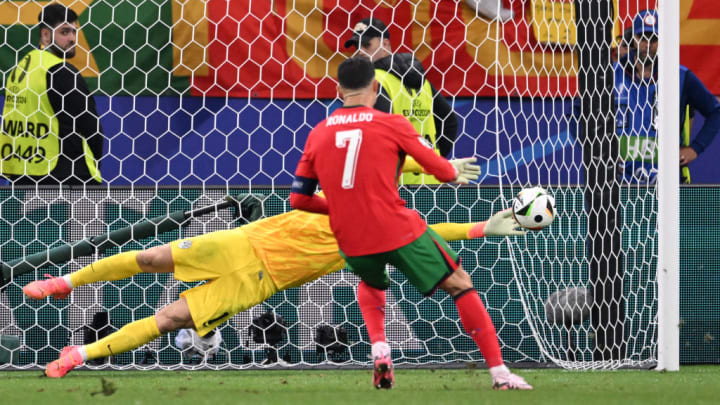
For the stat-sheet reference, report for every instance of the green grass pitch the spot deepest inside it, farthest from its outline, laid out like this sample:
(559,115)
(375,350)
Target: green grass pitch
(692,385)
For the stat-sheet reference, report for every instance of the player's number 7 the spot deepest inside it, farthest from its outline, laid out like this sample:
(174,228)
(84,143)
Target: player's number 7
(350,139)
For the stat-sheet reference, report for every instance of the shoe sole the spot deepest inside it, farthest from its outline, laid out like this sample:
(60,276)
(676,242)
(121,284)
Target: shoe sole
(384,382)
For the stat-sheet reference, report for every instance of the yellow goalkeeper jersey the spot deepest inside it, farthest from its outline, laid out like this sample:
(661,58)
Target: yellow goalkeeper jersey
(295,247)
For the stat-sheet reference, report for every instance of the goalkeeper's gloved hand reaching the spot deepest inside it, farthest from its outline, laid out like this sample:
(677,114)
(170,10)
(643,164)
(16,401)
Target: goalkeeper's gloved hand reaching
(501,223)
(466,170)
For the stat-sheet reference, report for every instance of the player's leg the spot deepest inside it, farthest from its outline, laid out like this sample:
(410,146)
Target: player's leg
(477,323)
(203,308)
(429,263)
(371,300)
(204,260)
(237,283)
(117,267)
(474,316)
(131,336)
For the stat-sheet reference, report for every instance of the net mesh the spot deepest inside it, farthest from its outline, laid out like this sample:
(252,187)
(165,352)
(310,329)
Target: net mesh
(198,98)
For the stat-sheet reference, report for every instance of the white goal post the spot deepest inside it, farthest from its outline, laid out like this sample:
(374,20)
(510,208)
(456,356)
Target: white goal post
(668,190)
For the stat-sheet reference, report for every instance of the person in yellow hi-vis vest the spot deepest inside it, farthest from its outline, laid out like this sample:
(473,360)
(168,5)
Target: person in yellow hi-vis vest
(404,90)
(685,177)
(50,131)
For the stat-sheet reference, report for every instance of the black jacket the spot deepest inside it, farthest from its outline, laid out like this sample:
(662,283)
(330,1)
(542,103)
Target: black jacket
(78,119)
(409,69)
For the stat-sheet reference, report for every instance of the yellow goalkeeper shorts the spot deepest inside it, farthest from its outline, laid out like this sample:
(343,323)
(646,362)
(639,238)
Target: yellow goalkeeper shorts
(236,277)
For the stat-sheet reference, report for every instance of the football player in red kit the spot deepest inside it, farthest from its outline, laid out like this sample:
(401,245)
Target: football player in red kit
(356,155)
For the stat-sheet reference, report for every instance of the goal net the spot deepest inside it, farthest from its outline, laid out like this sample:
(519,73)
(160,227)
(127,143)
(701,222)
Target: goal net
(202,99)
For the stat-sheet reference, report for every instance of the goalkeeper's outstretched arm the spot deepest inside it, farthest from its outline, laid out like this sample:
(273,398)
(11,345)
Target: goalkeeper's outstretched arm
(501,223)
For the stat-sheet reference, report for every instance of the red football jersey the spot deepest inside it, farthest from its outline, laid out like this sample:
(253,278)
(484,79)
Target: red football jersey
(357,154)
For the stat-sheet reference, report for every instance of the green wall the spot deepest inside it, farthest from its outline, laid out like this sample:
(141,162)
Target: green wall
(31,222)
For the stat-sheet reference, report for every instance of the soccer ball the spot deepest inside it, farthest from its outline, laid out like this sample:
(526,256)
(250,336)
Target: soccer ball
(534,208)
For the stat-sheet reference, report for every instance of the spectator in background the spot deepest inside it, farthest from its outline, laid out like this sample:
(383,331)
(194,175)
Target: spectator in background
(51,133)
(625,43)
(635,99)
(404,90)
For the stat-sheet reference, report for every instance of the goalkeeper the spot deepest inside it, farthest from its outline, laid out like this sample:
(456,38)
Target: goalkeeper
(244,266)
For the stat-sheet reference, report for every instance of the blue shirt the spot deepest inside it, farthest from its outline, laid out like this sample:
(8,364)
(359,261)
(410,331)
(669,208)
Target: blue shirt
(636,126)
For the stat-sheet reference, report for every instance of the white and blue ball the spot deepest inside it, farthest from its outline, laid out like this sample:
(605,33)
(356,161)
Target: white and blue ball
(534,208)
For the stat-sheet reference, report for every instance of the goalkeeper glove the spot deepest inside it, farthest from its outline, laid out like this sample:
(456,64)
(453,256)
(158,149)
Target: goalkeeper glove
(501,223)
(466,170)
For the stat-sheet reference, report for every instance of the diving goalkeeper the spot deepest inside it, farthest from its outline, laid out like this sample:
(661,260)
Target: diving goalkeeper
(244,266)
